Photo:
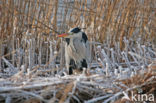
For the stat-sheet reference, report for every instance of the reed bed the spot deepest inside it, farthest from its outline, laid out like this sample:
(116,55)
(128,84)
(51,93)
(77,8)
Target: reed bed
(123,45)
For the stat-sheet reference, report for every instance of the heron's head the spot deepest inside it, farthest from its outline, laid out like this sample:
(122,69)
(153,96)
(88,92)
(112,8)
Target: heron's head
(74,32)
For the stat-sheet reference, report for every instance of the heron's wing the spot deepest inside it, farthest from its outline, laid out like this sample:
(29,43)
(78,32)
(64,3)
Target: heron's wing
(82,49)
(88,51)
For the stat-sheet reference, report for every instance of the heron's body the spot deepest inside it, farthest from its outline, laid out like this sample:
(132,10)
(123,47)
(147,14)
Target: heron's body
(76,50)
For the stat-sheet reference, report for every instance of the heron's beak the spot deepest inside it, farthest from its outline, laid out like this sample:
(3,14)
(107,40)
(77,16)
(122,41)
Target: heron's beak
(63,35)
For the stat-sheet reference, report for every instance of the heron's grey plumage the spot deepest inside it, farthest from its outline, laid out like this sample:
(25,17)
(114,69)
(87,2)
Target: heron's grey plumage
(77,49)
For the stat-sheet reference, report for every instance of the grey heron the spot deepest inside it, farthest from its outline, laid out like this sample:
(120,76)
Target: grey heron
(77,49)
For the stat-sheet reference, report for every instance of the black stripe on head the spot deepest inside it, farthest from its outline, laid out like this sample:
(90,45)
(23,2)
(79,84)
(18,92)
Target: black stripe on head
(84,37)
(75,30)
